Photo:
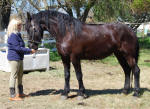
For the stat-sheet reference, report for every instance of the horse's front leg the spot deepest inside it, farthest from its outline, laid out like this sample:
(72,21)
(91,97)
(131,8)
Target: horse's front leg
(77,66)
(66,63)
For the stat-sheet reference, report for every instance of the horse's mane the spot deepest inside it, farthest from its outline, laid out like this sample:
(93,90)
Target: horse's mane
(63,20)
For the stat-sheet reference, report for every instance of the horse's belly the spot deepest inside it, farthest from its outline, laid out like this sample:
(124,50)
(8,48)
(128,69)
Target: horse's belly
(98,54)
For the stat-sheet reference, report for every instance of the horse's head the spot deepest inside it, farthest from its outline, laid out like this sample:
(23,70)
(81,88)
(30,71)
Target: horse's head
(55,22)
(35,28)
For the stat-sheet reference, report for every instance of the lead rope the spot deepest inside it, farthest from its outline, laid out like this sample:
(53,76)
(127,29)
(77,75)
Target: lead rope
(34,54)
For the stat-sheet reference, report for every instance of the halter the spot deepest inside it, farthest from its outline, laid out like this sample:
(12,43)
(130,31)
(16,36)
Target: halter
(32,40)
(37,42)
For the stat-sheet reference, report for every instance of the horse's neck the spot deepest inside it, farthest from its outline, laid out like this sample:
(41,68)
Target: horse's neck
(52,29)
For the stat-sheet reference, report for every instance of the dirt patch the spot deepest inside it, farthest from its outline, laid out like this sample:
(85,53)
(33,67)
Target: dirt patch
(103,85)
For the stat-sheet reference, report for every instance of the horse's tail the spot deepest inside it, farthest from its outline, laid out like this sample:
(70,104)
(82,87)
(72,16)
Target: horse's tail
(136,58)
(137,51)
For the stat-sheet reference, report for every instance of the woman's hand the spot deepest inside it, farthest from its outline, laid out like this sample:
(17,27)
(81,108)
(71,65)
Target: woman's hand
(33,51)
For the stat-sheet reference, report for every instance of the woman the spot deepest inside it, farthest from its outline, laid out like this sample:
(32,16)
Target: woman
(15,56)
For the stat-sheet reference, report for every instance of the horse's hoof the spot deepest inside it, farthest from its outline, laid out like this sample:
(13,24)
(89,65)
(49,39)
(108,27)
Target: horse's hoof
(64,97)
(136,94)
(125,91)
(80,97)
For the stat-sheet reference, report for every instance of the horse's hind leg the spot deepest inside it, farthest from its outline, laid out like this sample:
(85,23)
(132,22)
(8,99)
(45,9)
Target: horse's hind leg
(66,63)
(126,69)
(136,71)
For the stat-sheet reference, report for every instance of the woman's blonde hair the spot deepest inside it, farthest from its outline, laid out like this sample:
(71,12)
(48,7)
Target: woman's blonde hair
(13,26)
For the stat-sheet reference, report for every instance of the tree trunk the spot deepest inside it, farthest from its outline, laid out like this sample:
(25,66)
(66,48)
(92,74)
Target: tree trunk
(5,9)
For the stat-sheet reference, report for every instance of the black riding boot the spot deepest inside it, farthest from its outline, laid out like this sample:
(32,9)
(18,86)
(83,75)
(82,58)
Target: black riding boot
(20,90)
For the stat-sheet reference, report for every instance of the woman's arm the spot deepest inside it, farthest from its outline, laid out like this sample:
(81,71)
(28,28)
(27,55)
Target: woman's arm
(14,44)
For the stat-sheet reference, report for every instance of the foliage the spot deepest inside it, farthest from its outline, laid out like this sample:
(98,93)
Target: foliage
(54,56)
(127,10)
(76,8)
(5,9)
(109,11)
(144,42)
(140,6)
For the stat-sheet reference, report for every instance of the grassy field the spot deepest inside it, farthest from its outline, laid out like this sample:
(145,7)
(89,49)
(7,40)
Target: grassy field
(144,58)
(144,55)
(103,81)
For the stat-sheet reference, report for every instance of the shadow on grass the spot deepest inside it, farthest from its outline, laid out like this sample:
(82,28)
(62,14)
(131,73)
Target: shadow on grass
(113,91)
(88,92)
(46,92)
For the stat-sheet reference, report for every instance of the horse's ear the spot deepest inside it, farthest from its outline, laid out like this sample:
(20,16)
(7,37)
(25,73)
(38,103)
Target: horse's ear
(29,16)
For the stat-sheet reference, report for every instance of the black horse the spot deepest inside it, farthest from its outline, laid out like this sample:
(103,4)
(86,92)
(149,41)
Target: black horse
(76,40)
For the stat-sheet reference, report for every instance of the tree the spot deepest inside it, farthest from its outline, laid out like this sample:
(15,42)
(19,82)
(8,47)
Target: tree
(129,10)
(110,10)
(134,11)
(140,12)
(76,8)
(5,10)
(81,7)
(140,6)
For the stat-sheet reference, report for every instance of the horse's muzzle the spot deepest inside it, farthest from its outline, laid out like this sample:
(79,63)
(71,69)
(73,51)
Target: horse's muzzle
(33,46)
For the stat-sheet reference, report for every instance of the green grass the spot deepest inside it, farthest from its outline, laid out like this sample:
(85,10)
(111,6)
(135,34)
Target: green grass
(143,57)
(112,60)
(144,53)
(144,42)
(54,56)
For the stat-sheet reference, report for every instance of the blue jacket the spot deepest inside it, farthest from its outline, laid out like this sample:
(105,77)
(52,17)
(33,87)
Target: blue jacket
(16,47)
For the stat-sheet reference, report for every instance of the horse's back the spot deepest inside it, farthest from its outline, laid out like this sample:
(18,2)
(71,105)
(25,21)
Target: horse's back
(99,41)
